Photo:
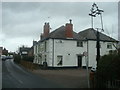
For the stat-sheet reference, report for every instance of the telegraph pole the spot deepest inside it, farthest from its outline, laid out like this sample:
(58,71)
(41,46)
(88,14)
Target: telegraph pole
(94,12)
(98,47)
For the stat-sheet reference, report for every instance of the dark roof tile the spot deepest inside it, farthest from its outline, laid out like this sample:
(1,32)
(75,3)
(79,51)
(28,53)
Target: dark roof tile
(91,35)
(60,34)
(82,35)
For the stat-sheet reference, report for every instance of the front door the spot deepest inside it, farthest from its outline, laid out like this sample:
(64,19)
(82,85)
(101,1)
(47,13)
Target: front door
(79,61)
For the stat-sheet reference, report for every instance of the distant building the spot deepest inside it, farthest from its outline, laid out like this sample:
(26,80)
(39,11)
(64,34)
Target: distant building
(11,53)
(27,51)
(24,50)
(30,52)
(4,51)
(1,48)
(64,47)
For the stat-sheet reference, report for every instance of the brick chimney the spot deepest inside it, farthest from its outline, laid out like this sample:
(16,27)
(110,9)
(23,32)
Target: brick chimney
(41,36)
(46,30)
(69,30)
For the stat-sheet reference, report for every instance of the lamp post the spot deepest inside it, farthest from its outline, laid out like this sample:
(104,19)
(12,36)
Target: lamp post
(94,12)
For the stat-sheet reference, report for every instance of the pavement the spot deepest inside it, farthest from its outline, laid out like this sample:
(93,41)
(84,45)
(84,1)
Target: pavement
(69,78)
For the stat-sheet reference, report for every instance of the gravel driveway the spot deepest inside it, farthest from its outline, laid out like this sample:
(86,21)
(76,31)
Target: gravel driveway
(69,78)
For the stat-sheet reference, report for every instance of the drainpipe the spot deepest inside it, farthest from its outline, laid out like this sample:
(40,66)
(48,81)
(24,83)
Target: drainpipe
(88,52)
(53,54)
(88,64)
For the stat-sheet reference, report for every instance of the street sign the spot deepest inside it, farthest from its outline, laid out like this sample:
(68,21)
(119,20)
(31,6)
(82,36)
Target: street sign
(85,53)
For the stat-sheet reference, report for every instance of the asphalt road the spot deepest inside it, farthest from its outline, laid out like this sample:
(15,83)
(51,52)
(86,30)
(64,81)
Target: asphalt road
(14,76)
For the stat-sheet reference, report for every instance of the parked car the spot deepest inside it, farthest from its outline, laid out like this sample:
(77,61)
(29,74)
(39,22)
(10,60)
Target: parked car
(9,57)
(3,57)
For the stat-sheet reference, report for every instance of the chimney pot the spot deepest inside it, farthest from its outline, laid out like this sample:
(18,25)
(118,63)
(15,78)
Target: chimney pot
(70,21)
(41,36)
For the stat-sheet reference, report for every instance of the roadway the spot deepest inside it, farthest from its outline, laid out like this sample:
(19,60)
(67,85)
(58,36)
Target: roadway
(14,76)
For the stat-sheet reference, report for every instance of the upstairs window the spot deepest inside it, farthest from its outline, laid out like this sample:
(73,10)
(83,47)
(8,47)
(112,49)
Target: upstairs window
(109,46)
(79,44)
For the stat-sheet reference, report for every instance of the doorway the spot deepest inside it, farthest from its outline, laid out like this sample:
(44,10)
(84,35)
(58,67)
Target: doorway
(79,61)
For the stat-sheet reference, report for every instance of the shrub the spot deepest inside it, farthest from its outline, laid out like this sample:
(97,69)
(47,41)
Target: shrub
(28,58)
(17,58)
(108,69)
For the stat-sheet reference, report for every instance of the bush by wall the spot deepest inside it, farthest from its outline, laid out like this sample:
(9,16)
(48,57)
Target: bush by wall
(17,58)
(28,58)
(108,69)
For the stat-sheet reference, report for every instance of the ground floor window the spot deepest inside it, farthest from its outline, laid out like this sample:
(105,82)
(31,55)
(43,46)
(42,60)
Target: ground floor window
(59,60)
(109,46)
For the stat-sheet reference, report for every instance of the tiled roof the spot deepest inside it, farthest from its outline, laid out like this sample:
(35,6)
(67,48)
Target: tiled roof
(91,35)
(60,34)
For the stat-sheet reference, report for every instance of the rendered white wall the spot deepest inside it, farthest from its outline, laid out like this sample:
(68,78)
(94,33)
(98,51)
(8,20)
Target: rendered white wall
(93,51)
(69,50)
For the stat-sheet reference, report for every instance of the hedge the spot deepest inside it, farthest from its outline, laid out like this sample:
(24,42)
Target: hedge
(17,58)
(108,69)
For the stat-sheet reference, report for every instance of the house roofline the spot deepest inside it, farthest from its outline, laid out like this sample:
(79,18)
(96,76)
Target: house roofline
(104,40)
(77,39)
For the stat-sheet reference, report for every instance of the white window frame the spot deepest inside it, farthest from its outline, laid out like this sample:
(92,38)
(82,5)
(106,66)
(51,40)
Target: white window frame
(109,45)
(59,60)
(79,43)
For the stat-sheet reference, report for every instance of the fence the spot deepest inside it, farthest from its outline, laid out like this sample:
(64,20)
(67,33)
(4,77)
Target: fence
(113,84)
(101,82)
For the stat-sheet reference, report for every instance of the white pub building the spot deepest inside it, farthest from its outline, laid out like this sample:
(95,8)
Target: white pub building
(64,48)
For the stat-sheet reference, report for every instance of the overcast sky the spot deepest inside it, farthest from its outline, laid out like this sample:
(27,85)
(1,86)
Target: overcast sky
(119,21)
(22,22)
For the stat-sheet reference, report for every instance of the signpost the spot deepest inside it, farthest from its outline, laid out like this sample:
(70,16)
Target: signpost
(87,63)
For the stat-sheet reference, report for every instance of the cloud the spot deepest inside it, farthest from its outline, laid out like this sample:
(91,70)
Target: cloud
(119,20)
(17,42)
(20,7)
(24,20)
